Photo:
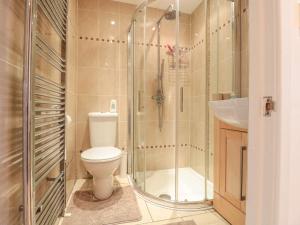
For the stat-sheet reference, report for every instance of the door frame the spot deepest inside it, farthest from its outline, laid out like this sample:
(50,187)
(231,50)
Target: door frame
(273,157)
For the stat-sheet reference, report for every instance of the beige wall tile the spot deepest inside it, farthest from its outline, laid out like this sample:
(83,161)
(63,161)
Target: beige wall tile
(109,6)
(123,55)
(70,141)
(108,81)
(184,18)
(11,79)
(122,135)
(80,169)
(90,4)
(70,176)
(109,55)
(82,136)
(109,25)
(127,9)
(88,53)
(123,82)
(86,104)
(88,80)
(123,109)
(12,31)
(87,25)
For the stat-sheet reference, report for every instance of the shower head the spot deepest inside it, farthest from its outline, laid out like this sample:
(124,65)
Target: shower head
(170,14)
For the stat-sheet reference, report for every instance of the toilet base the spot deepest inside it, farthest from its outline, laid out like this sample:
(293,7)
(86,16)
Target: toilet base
(103,187)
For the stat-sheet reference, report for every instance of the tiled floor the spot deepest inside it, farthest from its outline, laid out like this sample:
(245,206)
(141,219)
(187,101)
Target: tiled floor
(153,214)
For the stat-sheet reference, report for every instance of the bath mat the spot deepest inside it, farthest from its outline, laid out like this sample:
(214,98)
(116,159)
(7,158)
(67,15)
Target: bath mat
(188,222)
(121,207)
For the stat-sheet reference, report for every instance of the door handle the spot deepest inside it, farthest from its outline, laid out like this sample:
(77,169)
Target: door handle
(243,149)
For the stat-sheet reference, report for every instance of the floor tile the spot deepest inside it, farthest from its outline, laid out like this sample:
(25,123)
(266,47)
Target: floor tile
(146,218)
(210,218)
(164,222)
(153,214)
(122,180)
(159,213)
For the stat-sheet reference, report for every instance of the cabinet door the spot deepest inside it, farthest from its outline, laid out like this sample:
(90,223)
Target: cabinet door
(232,156)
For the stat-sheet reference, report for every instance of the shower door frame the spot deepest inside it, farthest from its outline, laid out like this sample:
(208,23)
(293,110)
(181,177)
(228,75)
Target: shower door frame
(204,204)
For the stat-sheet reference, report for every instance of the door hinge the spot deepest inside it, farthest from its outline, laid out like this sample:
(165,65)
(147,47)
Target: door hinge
(269,106)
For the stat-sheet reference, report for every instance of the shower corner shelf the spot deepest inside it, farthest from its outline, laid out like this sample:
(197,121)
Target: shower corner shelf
(183,60)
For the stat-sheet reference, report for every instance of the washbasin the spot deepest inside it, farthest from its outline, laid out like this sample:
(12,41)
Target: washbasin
(232,111)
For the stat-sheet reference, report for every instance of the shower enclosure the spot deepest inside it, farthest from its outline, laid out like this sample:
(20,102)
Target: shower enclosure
(160,85)
(173,71)
(160,79)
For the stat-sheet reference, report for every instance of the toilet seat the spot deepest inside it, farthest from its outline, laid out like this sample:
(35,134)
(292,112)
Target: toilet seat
(101,154)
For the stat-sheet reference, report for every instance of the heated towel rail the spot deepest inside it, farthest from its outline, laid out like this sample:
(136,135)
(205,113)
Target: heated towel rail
(44,111)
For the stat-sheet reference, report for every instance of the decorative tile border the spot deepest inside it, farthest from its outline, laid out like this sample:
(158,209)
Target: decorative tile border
(169,147)
(197,148)
(228,22)
(107,40)
(202,41)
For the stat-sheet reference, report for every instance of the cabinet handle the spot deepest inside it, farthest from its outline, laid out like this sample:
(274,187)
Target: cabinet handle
(181,99)
(140,103)
(243,149)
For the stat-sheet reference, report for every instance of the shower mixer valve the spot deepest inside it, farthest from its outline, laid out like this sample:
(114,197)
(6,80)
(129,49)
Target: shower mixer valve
(159,98)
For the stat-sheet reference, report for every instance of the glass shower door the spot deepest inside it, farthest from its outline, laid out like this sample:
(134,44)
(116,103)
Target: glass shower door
(191,121)
(137,35)
(160,100)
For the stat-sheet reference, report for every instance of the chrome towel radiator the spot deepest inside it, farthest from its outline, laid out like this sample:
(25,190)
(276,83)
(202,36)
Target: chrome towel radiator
(44,111)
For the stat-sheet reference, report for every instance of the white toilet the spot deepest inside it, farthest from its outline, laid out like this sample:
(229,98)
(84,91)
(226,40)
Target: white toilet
(103,158)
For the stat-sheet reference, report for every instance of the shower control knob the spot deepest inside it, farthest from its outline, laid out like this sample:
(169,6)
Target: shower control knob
(159,99)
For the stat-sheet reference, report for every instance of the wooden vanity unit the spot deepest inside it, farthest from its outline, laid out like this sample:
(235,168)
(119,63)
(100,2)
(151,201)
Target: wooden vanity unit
(230,172)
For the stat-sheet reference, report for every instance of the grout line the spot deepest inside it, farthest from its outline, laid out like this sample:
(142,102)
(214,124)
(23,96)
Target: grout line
(167,220)
(149,211)
(15,66)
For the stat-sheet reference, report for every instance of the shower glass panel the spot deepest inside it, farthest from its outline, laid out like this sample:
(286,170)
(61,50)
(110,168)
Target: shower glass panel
(137,32)
(191,119)
(160,100)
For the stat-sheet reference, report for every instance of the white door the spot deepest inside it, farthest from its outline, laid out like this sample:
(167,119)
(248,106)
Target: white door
(274,154)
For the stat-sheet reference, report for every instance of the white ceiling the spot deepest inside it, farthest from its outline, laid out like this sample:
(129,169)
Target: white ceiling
(186,6)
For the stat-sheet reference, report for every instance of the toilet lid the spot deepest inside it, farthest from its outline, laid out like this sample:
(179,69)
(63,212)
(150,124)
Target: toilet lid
(101,154)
